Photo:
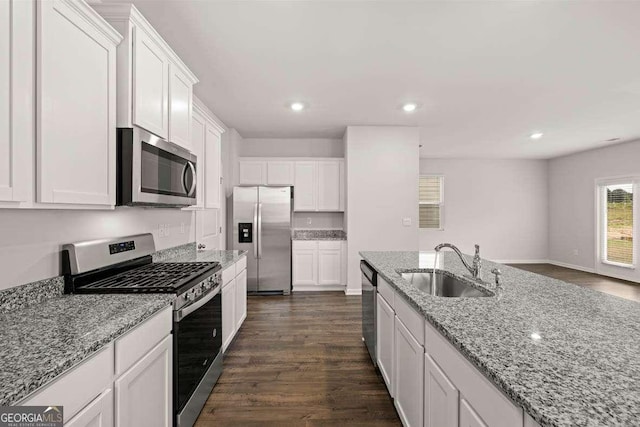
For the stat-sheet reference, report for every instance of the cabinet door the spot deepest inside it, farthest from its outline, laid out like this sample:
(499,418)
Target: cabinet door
(198,134)
(280,173)
(76,130)
(440,397)
(329,263)
(180,104)
(252,172)
(98,413)
(228,313)
(385,332)
(16,98)
(212,154)
(305,186)
(208,228)
(305,265)
(329,186)
(408,375)
(241,298)
(150,85)
(468,417)
(144,394)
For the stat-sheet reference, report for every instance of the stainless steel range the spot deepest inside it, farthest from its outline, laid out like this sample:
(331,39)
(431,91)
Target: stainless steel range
(125,265)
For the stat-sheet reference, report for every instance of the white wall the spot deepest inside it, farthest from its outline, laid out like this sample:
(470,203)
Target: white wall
(319,220)
(382,164)
(291,147)
(31,239)
(572,200)
(502,205)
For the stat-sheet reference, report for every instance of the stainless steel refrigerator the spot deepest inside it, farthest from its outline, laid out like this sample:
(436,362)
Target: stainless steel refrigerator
(262,227)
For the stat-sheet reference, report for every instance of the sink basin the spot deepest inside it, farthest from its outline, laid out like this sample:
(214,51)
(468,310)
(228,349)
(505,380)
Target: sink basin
(446,285)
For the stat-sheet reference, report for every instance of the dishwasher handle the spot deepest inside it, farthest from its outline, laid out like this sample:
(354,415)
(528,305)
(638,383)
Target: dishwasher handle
(369,272)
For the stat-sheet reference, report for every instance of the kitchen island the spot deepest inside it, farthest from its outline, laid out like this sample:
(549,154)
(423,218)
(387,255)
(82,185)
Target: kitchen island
(568,356)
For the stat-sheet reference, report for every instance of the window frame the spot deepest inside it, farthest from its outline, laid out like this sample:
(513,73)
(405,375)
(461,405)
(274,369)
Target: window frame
(601,220)
(440,204)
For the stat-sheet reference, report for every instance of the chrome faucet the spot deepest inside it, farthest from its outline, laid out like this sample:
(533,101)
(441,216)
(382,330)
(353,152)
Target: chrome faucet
(475,269)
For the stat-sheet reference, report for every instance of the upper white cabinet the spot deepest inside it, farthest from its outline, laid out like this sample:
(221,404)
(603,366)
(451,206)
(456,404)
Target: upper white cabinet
(76,111)
(329,185)
(212,171)
(198,135)
(154,86)
(305,195)
(280,173)
(16,98)
(252,172)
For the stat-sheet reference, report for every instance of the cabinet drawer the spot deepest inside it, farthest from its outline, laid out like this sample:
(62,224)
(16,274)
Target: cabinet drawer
(241,265)
(305,244)
(493,407)
(139,341)
(228,274)
(386,291)
(334,245)
(413,320)
(79,386)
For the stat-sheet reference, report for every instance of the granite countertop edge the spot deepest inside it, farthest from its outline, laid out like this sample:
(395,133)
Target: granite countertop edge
(310,234)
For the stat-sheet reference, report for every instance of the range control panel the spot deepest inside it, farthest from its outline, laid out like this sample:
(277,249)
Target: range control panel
(245,232)
(119,247)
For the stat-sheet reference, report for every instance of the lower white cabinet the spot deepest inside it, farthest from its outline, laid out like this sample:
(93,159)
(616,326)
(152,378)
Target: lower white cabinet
(234,300)
(318,265)
(468,417)
(408,376)
(98,413)
(385,331)
(144,394)
(440,397)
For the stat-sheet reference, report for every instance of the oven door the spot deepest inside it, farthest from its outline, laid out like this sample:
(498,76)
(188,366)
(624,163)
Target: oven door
(158,172)
(197,355)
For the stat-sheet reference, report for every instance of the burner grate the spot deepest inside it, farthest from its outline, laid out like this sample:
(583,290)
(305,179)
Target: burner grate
(156,277)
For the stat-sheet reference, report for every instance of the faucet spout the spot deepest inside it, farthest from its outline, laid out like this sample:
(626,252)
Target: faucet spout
(475,268)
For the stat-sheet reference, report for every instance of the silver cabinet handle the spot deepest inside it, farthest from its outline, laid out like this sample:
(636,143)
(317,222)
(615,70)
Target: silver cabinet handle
(181,314)
(259,230)
(255,232)
(201,246)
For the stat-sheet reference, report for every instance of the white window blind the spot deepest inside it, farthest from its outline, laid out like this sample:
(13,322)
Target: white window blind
(617,227)
(431,201)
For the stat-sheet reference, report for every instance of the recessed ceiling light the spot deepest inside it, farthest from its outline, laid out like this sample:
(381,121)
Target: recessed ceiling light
(297,106)
(612,140)
(536,336)
(536,135)
(409,107)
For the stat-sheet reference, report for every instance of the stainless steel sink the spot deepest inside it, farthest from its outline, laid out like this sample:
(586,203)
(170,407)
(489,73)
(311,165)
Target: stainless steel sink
(445,285)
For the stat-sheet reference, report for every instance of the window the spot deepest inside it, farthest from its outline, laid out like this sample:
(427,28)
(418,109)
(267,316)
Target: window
(430,198)
(617,223)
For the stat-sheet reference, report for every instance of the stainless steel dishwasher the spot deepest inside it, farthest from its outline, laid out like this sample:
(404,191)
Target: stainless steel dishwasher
(369,285)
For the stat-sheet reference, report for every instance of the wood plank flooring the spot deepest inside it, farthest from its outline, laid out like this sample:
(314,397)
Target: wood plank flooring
(299,360)
(608,285)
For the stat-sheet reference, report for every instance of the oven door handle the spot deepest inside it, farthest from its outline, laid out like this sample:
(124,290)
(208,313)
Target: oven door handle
(181,314)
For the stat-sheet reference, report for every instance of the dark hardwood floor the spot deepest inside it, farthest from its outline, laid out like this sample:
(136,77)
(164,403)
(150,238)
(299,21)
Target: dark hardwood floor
(608,285)
(299,360)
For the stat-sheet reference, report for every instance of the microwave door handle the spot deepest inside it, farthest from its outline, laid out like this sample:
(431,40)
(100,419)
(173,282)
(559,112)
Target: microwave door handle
(254,231)
(192,189)
(259,230)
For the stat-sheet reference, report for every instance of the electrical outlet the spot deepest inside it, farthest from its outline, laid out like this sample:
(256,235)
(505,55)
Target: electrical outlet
(160,230)
(406,222)
(308,221)
(182,228)
(167,230)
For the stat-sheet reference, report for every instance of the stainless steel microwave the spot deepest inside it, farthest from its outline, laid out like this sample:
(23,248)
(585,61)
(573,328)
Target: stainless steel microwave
(154,172)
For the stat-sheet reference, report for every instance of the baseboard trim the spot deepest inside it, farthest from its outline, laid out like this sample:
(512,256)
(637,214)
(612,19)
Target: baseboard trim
(521,261)
(348,291)
(573,267)
(314,288)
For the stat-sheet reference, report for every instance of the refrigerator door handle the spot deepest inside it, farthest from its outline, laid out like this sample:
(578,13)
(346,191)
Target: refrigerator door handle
(255,233)
(259,230)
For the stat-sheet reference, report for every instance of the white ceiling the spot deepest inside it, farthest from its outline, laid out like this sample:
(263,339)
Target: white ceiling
(485,74)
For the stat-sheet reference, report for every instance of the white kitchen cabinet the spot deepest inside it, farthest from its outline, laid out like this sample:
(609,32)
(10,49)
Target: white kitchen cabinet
(468,417)
(228,313)
(150,85)
(408,375)
(280,173)
(241,298)
(198,134)
(212,169)
(305,196)
(252,172)
(98,413)
(180,107)
(144,394)
(155,87)
(76,95)
(329,185)
(329,262)
(305,263)
(385,332)
(440,397)
(16,98)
